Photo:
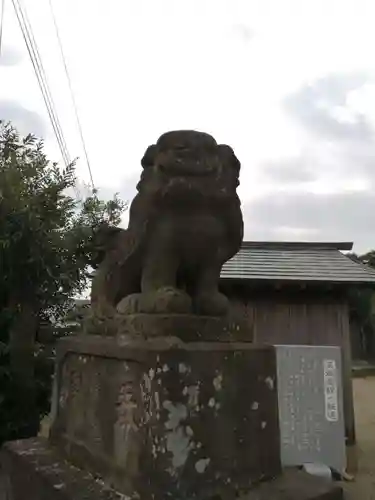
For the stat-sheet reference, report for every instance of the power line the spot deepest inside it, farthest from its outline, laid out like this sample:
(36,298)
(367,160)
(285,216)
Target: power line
(2,24)
(71,93)
(41,76)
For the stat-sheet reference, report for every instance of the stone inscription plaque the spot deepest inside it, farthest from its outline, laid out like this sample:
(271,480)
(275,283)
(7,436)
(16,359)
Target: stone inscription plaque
(310,406)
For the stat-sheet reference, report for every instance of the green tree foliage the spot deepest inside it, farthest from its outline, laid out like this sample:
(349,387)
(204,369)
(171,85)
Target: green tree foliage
(45,248)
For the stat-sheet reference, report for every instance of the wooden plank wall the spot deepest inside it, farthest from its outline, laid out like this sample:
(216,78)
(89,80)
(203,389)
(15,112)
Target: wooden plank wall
(286,322)
(310,321)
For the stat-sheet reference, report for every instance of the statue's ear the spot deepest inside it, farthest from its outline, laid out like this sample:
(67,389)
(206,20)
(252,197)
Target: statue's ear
(149,157)
(104,235)
(228,156)
(103,241)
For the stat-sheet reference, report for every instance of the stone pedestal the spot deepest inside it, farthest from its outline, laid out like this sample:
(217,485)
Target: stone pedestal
(160,418)
(33,470)
(187,327)
(157,418)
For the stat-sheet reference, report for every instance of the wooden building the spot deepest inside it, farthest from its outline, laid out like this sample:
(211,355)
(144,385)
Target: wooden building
(297,293)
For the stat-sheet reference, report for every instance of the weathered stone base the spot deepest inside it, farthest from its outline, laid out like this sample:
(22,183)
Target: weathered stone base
(161,418)
(32,470)
(187,327)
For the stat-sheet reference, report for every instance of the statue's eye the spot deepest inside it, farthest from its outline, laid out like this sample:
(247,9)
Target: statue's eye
(162,168)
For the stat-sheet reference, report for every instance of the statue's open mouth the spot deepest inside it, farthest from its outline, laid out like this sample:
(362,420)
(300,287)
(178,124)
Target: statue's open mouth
(187,169)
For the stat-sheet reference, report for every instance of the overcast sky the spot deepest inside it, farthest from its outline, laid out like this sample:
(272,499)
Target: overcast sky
(289,84)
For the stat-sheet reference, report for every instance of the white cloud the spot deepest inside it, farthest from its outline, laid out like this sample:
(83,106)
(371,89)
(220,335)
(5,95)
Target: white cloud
(141,67)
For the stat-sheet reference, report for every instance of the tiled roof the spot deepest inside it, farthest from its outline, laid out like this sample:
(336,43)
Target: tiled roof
(308,262)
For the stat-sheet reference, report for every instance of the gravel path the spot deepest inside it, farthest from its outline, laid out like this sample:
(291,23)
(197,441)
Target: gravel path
(363,488)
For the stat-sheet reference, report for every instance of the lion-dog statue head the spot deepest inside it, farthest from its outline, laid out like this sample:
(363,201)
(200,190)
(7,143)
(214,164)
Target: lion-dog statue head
(189,167)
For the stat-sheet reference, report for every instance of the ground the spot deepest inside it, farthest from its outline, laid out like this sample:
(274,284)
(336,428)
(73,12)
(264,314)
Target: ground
(363,488)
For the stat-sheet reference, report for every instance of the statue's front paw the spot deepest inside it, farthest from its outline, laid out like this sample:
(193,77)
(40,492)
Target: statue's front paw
(131,304)
(167,300)
(211,304)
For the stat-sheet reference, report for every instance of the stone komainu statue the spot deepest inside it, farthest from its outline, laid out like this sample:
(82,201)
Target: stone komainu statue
(185,223)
